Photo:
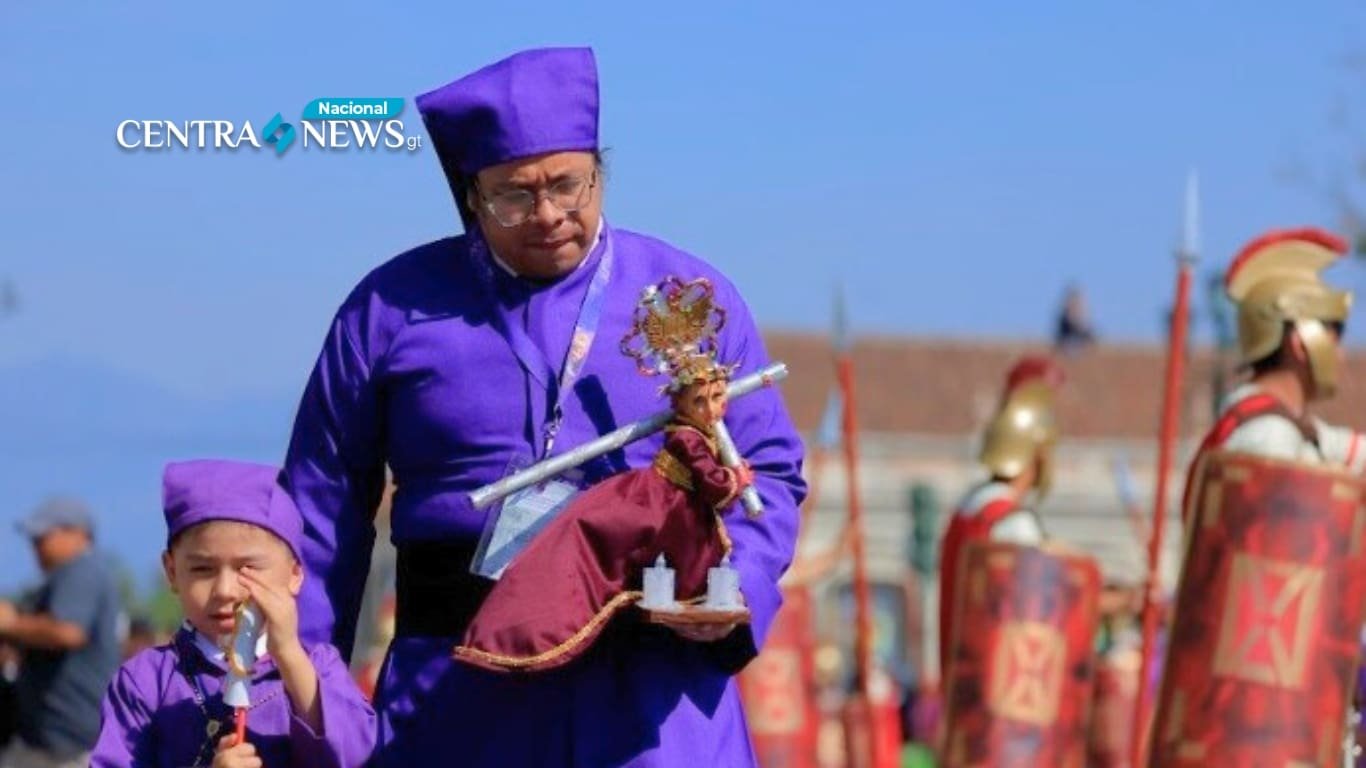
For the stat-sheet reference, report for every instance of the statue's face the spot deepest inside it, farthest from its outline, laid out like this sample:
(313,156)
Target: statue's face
(703,403)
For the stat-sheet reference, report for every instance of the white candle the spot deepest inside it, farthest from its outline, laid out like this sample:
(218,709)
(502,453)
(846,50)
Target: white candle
(659,586)
(723,587)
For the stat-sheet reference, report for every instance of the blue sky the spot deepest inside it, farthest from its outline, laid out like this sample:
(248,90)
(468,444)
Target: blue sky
(954,164)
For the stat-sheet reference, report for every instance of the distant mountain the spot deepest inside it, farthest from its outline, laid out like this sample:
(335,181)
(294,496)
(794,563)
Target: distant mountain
(69,426)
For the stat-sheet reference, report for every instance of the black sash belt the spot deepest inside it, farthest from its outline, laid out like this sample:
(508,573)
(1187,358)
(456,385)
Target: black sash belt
(437,596)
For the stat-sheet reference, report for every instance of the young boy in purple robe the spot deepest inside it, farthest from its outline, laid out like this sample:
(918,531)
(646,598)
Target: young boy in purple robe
(233,536)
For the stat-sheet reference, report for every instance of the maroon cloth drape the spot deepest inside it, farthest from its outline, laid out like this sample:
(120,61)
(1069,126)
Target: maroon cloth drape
(559,593)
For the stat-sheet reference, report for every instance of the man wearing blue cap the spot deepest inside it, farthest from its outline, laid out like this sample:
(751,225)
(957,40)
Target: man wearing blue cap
(464,359)
(69,640)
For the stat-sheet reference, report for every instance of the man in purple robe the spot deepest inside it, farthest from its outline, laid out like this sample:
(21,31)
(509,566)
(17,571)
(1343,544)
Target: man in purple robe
(453,364)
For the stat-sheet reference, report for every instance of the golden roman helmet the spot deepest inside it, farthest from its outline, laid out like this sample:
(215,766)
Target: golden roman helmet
(1022,432)
(1275,281)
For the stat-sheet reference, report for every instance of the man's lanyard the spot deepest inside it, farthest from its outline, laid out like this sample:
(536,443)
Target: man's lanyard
(528,354)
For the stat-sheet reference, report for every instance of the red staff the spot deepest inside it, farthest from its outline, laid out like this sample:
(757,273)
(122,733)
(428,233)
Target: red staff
(1176,352)
(811,567)
(863,619)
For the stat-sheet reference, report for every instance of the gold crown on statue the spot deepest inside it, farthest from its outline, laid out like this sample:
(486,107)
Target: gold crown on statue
(674,333)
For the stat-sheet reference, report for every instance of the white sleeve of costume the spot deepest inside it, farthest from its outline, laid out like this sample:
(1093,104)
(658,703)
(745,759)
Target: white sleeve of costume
(1018,527)
(1273,436)
(1341,446)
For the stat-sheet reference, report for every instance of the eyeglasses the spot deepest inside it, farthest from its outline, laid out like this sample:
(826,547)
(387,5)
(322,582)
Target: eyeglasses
(514,207)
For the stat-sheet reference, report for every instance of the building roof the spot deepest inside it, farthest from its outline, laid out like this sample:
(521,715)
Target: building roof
(946,387)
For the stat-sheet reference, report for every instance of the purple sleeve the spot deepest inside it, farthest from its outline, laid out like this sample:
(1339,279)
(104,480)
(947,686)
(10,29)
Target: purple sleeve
(125,725)
(347,738)
(765,437)
(335,473)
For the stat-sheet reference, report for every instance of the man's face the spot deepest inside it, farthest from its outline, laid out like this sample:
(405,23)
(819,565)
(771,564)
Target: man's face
(1305,366)
(521,208)
(58,546)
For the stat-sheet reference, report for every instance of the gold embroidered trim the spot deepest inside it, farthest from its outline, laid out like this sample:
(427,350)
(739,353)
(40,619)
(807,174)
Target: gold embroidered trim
(670,468)
(724,535)
(521,662)
(708,436)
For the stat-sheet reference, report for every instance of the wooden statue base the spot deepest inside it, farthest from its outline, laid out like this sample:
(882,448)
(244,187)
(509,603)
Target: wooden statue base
(686,615)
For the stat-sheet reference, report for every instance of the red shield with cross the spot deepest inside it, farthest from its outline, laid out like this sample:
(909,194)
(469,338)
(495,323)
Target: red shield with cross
(778,689)
(1265,641)
(1021,657)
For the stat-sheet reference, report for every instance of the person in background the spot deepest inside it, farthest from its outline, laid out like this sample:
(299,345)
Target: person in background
(1016,453)
(9,704)
(1074,331)
(141,634)
(68,643)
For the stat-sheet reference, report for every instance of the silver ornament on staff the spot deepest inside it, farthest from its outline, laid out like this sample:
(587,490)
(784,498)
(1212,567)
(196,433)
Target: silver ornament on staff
(637,430)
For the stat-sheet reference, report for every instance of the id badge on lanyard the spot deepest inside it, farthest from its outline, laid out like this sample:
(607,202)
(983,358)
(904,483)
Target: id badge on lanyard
(519,519)
(523,515)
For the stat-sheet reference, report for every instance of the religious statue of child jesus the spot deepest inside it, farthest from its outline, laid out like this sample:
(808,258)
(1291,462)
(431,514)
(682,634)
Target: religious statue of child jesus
(591,561)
